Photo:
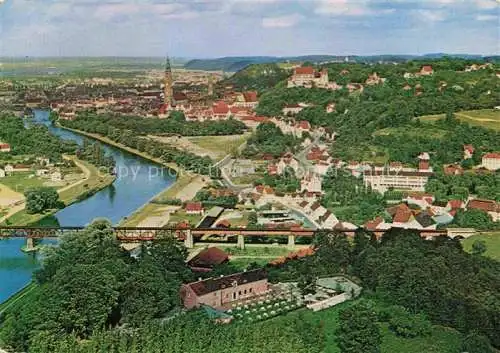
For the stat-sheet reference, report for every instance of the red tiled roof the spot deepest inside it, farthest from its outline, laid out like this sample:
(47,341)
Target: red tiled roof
(209,258)
(193,206)
(372,225)
(402,214)
(426,68)
(250,96)
(214,284)
(303,124)
(307,70)
(485,205)
(220,108)
(493,155)
(455,204)
(469,148)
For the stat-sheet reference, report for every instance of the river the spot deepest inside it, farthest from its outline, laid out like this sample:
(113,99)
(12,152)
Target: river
(138,180)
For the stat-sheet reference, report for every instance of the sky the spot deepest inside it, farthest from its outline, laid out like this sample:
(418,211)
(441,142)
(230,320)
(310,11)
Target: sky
(216,28)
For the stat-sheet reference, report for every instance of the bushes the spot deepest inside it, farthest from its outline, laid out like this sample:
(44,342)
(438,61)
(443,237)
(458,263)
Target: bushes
(405,324)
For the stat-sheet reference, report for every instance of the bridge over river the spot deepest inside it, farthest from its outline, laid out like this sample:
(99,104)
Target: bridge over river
(189,235)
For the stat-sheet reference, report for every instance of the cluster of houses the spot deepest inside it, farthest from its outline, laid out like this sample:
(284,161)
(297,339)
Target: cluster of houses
(421,211)
(43,169)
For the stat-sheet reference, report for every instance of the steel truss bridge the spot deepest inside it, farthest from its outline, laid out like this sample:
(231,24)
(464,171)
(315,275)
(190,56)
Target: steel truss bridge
(189,235)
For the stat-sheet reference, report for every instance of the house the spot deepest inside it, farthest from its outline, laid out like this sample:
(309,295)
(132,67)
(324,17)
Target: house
(247,100)
(383,180)
(4,147)
(2,173)
(374,79)
(221,292)
(242,167)
(220,111)
(41,172)
(453,169)
(287,161)
(489,206)
(421,200)
(330,108)
(491,161)
(194,208)
(426,70)
(56,176)
(292,109)
(207,259)
(468,151)
(308,77)
(9,168)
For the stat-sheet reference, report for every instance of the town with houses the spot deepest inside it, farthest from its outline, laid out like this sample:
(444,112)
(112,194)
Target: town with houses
(216,202)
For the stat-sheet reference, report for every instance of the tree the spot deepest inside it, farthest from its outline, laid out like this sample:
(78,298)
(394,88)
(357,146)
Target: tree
(358,329)
(41,199)
(479,247)
(476,343)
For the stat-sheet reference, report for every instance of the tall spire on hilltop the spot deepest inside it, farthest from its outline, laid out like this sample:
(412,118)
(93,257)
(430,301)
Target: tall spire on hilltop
(168,92)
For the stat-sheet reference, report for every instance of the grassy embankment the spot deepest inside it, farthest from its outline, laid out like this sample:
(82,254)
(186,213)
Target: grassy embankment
(16,298)
(487,118)
(69,195)
(492,240)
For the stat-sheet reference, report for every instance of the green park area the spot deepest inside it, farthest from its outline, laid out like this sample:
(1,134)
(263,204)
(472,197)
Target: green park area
(220,145)
(490,239)
(488,118)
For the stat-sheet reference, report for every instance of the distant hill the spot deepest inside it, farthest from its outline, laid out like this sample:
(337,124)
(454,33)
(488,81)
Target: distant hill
(236,63)
(256,77)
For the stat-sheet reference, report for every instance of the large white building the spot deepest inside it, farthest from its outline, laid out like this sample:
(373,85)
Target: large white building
(308,77)
(396,177)
(491,161)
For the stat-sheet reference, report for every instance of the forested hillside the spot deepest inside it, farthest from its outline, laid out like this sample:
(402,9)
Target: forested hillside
(93,297)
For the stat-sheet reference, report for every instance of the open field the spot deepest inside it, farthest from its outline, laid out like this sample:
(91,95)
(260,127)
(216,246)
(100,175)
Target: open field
(9,196)
(22,181)
(492,241)
(220,145)
(488,118)
(414,131)
(215,147)
(92,182)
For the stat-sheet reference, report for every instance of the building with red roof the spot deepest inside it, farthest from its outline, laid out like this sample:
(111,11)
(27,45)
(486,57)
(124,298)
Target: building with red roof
(4,147)
(426,70)
(307,76)
(221,292)
(491,161)
(468,151)
(489,206)
(194,208)
(207,259)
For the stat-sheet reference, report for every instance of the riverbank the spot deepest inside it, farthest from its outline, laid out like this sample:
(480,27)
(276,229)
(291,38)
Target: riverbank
(156,212)
(108,141)
(90,184)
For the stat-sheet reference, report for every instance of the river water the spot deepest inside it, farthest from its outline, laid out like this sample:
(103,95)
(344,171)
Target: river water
(138,180)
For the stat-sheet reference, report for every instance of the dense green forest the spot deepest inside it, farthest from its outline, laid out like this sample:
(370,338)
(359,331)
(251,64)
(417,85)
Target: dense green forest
(188,161)
(176,124)
(269,139)
(92,296)
(35,140)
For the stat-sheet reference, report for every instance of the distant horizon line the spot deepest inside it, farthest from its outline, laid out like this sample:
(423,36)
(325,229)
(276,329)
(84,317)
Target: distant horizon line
(239,56)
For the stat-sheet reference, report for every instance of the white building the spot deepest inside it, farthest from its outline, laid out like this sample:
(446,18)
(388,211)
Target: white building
(491,161)
(308,77)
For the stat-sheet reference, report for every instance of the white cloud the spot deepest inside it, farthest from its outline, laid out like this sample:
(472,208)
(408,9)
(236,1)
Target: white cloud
(487,4)
(487,18)
(430,15)
(343,8)
(281,21)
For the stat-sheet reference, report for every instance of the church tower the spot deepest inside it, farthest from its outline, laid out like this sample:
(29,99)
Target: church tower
(168,84)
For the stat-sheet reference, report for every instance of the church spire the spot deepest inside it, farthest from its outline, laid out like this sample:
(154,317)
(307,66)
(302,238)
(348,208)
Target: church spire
(168,68)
